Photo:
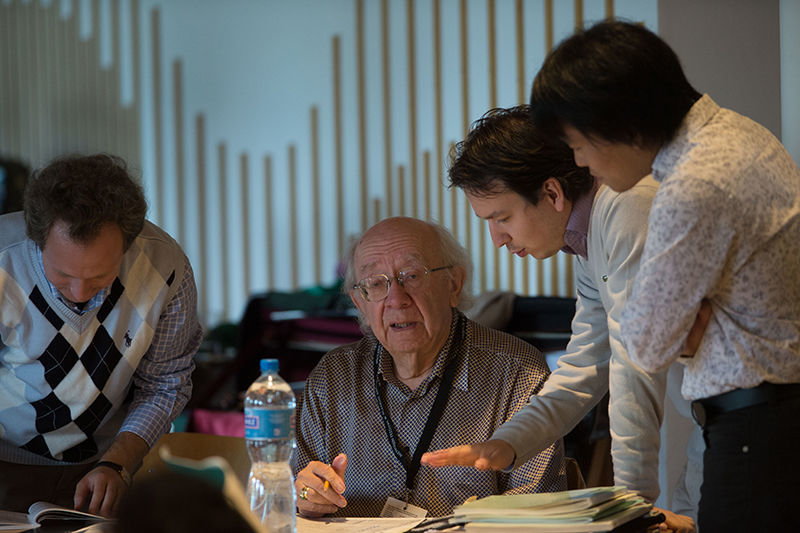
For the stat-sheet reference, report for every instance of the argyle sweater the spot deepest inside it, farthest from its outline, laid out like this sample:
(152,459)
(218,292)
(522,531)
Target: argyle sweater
(63,376)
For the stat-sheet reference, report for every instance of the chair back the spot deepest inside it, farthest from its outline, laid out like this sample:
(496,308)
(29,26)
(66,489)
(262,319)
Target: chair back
(198,446)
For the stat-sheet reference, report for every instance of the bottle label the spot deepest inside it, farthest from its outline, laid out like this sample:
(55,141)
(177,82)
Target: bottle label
(260,423)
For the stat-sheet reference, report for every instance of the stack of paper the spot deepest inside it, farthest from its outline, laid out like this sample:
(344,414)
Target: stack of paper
(594,509)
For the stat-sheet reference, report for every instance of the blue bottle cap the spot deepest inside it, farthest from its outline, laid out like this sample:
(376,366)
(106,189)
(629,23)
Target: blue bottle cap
(269,365)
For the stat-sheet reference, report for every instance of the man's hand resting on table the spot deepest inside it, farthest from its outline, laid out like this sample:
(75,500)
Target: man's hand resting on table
(319,499)
(490,455)
(100,491)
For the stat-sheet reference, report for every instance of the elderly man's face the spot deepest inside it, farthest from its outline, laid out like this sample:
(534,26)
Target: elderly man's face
(408,321)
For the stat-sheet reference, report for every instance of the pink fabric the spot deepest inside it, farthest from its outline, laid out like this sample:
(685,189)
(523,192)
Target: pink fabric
(230,423)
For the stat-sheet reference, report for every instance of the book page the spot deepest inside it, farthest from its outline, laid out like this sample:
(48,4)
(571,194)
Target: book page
(41,511)
(12,522)
(355,525)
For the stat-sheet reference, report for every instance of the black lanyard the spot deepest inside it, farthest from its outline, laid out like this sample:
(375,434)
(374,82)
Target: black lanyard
(412,466)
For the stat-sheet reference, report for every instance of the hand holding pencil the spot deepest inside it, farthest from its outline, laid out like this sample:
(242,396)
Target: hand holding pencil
(320,486)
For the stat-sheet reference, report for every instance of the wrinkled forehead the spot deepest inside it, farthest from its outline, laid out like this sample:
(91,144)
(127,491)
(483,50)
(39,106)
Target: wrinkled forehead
(396,249)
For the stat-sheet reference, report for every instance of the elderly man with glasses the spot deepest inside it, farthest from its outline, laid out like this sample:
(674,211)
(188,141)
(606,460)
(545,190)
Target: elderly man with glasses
(423,377)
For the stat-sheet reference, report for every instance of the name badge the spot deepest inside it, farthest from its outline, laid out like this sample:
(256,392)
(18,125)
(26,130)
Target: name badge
(394,508)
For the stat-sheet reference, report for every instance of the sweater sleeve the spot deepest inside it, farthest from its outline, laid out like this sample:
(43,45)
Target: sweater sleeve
(579,382)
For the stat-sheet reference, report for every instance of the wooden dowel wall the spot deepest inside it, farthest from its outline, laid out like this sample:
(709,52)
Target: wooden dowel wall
(362,161)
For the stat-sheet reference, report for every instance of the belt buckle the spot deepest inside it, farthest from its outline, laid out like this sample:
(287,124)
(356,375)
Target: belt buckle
(699,413)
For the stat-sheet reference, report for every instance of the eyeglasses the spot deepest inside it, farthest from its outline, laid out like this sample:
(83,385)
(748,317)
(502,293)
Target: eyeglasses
(376,288)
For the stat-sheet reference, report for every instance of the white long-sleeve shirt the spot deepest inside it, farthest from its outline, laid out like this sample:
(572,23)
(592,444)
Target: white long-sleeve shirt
(724,226)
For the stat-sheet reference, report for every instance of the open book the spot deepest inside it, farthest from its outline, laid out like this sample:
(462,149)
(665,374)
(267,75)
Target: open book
(41,513)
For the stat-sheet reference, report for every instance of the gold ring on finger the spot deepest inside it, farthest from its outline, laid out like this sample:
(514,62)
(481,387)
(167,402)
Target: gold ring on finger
(303,495)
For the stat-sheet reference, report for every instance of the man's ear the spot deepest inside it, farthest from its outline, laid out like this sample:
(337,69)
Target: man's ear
(457,277)
(357,300)
(553,193)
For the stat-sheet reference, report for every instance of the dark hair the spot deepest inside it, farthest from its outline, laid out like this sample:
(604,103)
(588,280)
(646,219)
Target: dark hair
(85,192)
(616,81)
(504,150)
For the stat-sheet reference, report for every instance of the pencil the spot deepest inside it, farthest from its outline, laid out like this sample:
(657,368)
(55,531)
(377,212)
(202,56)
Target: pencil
(326,485)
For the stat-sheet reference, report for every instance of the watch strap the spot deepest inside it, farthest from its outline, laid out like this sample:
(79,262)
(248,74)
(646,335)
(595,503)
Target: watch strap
(118,468)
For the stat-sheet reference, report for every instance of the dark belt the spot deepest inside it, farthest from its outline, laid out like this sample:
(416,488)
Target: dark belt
(703,410)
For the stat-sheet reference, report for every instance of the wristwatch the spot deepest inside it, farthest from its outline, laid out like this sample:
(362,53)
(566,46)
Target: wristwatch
(119,469)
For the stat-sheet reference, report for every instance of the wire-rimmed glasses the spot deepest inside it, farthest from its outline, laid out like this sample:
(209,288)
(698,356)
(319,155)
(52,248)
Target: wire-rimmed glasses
(375,288)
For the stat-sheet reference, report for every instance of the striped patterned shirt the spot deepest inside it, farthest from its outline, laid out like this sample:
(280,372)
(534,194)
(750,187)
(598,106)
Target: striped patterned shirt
(495,376)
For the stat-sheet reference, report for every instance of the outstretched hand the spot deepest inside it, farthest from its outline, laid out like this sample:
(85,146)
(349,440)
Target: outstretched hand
(490,455)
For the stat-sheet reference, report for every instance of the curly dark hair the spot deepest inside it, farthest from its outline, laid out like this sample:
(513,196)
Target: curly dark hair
(505,151)
(85,192)
(616,81)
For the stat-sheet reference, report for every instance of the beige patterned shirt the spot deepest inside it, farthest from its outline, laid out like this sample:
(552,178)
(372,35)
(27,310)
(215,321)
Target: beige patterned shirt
(495,376)
(725,225)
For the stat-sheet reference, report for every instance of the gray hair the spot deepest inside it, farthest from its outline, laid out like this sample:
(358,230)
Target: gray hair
(452,254)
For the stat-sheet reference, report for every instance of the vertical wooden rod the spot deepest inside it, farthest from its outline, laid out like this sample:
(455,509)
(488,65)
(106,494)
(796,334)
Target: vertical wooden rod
(491,32)
(180,167)
(338,142)
(387,106)
(548,25)
(548,45)
(315,199)
(45,35)
(119,137)
(464,25)
(202,217)
(426,169)
(158,138)
(362,115)
(519,20)
(454,209)
(293,217)
(412,107)
(268,222)
(401,186)
(491,52)
(98,134)
(522,84)
(437,108)
(136,68)
(244,191)
(376,206)
(222,187)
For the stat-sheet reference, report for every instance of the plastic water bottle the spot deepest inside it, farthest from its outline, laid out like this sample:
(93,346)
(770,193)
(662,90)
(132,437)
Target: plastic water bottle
(269,431)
